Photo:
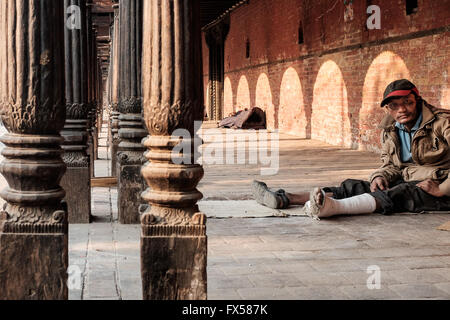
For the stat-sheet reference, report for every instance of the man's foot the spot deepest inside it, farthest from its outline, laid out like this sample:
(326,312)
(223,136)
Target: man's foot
(315,204)
(319,196)
(317,199)
(274,200)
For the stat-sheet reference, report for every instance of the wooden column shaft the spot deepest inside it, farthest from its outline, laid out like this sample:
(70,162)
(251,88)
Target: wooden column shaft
(75,132)
(130,156)
(33,223)
(173,238)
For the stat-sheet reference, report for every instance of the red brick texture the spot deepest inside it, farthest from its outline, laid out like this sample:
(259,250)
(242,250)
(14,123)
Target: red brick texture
(329,88)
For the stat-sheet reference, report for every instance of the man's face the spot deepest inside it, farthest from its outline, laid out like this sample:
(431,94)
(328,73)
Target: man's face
(404,110)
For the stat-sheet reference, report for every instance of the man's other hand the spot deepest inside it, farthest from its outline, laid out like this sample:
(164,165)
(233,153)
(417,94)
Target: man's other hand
(431,187)
(379,183)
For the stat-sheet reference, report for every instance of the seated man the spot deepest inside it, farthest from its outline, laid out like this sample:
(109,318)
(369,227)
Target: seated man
(414,176)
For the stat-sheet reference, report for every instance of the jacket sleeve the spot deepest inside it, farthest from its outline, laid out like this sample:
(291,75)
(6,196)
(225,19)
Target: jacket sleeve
(387,170)
(445,185)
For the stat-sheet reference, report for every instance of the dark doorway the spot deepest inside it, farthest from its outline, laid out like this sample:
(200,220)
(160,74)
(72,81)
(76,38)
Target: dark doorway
(215,39)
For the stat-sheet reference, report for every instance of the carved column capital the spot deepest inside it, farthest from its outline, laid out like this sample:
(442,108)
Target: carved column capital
(130,104)
(77,110)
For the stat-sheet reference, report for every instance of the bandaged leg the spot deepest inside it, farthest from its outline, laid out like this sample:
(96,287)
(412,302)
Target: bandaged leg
(321,206)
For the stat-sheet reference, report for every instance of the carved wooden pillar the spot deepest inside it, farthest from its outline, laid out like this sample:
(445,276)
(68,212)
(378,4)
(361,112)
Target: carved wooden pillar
(77,180)
(91,99)
(108,100)
(108,90)
(109,84)
(130,156)
(33,223)
(115,90)
(99,95)
(94,88)
(173,237)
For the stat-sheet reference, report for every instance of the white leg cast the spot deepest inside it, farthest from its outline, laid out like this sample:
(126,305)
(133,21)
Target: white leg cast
(361,204)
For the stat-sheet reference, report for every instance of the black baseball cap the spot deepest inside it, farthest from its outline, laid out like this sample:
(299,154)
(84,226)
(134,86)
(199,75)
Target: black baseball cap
(398,89)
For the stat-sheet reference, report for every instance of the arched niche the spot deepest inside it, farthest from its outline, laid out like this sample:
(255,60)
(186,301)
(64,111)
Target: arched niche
(330,120)
(243,94)
(263,99)
(291,114)
(227,97)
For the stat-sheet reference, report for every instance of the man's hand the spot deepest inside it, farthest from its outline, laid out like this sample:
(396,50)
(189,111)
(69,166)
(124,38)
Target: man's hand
(431,187)
(379,183)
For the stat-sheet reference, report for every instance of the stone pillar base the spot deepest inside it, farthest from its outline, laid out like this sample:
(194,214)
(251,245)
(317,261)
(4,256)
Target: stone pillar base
(173,267)
(114,149)
(90,152)
(95,144)
(33,266)
(78,181)
(130,186)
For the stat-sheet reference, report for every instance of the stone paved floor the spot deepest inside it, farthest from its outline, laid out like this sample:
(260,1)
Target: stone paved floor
(279,257)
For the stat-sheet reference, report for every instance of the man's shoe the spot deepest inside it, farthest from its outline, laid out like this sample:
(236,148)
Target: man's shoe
(274,200)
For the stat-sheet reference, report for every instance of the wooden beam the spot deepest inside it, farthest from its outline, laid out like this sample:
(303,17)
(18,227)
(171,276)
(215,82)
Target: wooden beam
(104,182)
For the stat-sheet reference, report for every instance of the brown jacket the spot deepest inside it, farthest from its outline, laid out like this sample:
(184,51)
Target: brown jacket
(429,148)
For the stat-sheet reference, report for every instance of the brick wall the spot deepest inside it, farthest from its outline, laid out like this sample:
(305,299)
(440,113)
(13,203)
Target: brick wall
(329,88)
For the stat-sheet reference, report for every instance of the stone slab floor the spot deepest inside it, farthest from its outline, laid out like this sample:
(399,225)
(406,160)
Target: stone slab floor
(272,257)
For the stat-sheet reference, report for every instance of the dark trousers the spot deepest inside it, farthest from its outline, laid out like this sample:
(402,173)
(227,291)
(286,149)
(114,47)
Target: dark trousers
(401,197)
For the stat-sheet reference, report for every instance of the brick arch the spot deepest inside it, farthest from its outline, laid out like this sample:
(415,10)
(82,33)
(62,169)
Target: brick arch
(243,94)
(330,120)
(385,68)
(228,105)
(263,99)
(291,114)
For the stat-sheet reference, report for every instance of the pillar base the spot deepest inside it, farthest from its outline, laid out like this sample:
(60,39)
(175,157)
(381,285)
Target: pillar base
(95,143)
(130,186)
(90,152)
(173,267)
(114,149)
(33,266)
(78,181)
